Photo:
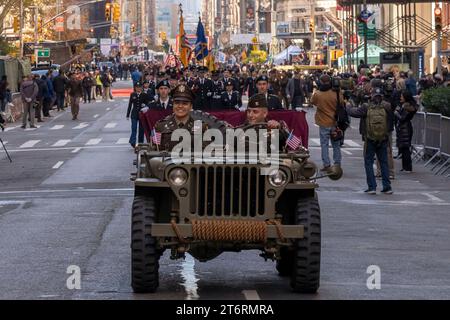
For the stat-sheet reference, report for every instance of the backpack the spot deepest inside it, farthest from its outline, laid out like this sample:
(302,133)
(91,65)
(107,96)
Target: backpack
(376,123)
(341,116)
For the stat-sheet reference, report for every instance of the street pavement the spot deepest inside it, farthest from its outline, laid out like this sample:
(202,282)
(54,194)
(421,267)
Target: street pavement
(66,201)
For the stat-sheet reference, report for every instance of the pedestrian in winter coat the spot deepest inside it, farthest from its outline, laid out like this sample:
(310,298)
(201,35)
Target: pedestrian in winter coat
(29,91)
(404,128)
(75,92)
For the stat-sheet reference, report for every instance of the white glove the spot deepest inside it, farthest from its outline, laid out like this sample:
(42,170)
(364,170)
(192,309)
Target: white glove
(242,109)
(144,110)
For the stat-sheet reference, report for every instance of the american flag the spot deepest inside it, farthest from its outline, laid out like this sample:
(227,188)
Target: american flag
(293,141)
(156,137)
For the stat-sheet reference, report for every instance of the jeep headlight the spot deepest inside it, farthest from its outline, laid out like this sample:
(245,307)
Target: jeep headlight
(178,176)
(277,178)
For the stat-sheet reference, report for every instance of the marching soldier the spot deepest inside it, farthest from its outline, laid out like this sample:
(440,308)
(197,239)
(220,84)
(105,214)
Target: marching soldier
(250,84)
(202,91)
(218,88)
(134,107)
(164,101)
(183,99)
(231,99)
(274,103)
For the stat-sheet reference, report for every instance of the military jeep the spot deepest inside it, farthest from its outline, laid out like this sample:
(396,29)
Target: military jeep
(206,209)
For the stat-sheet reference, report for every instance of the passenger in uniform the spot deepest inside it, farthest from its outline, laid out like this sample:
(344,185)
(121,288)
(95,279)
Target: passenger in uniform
(134,107)
(274,103)
(183,99)
(231,99)
(164,101)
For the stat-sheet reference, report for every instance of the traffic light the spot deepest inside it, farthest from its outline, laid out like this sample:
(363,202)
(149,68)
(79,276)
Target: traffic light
(311,26)
(16,24)
(438,19)
(133,28)
(107,11)
(116,12)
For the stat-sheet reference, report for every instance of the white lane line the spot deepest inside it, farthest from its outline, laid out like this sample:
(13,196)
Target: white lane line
(76,150)
(251,295)
(66,190)
(352,143)
(57,127)
(111,125)
(96,116)
(394,203)
(107,109)
(346,152)
(122,141)
(432,197)
(10,128)
(316,141)
(92,142)
(29,144)
(32,129)
(58,164)
(189,278)
(5,142)
(60,143)
(81,125)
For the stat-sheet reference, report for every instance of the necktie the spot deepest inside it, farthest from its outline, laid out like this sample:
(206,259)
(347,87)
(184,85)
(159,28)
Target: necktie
(163,105)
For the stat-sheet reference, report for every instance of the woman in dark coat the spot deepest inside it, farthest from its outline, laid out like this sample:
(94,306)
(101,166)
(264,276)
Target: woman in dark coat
(403,116)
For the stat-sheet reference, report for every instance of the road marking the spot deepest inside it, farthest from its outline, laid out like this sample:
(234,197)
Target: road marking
(189,278)
(107,109)
(30,144)
(432,197)
(57,127)
(251,295)
(5,142)
(92,142)
(58,164)
(76,150)
(122,141)
(96,116)
(67,190)
(61,143)
(81,125)
(346,151)
(7,202)
(32,129)
(111,125)
(316,141)
(395,203)
(11,128)
(352,143)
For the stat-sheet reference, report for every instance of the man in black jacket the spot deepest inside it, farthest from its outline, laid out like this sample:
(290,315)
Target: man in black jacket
(134,107)
(203,91)
(231,99)
(59,86)
(218,87)
(250,84)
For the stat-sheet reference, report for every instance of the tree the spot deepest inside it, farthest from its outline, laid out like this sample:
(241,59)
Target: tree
(7,6)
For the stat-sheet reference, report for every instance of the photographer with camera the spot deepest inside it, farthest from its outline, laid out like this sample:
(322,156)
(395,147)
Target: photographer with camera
(328,102)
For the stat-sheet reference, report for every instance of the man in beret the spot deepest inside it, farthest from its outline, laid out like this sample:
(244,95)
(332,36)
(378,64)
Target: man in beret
(135,104)
(183,99)
(202,90)
(262,84)
(164,101)
(231,99)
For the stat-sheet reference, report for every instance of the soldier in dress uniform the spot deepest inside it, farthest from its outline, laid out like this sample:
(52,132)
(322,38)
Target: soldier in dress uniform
(231,99)
(218,88)
(262,83)
(147,92)
(250,84)
(202,90)
(183,99)
(164,101)
(135,105)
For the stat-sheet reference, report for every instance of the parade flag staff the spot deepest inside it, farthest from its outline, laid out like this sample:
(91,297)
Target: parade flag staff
(185,48)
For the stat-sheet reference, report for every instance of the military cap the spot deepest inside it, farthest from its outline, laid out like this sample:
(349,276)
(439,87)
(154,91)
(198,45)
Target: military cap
(202,69)
(174,76)
(215,73)
(262,78)
(182,93)
(163,83)
(377,92)
(138,84)
(146,82)
(258,101)
(161,74)
(229,83)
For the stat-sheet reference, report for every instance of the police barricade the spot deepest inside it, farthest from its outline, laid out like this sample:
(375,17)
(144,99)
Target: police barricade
(418,138)
(433,134)
(445,146)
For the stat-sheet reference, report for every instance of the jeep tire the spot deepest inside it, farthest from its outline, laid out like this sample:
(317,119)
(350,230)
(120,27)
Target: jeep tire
(306,272)
(144,254)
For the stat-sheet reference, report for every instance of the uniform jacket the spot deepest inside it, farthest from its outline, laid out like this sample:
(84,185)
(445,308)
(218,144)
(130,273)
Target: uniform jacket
(250,86)
(233,102)
(274,102)
(216,99)
(136,103)
(203,94)
(156,105)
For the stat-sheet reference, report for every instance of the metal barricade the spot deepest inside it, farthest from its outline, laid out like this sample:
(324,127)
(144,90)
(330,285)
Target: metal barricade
(445,145)
(433,134)
(418,138)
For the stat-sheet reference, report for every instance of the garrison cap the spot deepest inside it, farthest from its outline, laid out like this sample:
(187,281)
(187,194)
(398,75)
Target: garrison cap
(182,93)
(258,101)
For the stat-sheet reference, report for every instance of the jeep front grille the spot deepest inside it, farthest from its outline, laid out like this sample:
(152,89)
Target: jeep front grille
(227,191)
